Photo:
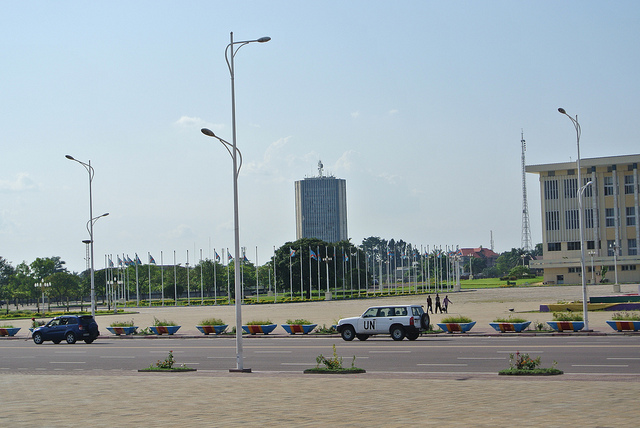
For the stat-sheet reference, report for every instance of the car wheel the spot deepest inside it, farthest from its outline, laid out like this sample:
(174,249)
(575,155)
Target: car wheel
(88,340)
(70,338)
(397,332)
(37,338)
(413,335)
(362,336)
(348,333)
(424,321)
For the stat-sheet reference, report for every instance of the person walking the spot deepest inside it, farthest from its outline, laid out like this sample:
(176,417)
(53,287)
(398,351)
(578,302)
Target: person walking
(438,303)
(445,304)
(429,304)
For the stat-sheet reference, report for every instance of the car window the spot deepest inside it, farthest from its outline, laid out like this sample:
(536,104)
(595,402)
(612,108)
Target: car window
(401,312)
(417,310)
(72,321)
(371,312)
(54,322)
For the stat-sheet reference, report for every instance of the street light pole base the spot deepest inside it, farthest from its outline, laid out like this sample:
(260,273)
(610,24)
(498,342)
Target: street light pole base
(239,370)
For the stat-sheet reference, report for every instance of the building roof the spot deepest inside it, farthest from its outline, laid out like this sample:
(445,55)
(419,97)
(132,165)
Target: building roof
(479,252)
(584,163)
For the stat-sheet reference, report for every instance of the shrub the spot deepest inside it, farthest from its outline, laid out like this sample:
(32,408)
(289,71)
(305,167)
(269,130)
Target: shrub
(212,321)
(567,316)
(510,318)
(626,316)
(299,322)
(456,319)
(158,323)
(7,326)
(259,322)
(122,324)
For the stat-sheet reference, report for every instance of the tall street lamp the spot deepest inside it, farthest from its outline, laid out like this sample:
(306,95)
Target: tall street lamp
(90,223)
(581,190)
(229,54)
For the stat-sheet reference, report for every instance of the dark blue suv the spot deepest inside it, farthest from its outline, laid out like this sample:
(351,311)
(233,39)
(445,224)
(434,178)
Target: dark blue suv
(67,327)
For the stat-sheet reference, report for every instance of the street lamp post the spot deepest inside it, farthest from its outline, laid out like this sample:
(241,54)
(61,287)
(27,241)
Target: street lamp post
(230,53)
(90,223)
(581,189)
(593,274)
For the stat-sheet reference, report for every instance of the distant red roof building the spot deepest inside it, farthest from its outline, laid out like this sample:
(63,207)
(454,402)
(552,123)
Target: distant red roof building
(481,253)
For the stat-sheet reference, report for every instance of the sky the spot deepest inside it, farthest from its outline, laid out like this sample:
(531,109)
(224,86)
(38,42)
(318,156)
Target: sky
(419,105)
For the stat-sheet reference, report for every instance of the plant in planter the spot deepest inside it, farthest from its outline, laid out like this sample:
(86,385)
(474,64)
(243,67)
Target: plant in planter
(299,326)
(212,325)
(333,365)
(122,327)
(625,321)
(510,323)
(167,365)
(259,326)
(523,364)
(163,326)
(566,321)
(459,323)
(8,330)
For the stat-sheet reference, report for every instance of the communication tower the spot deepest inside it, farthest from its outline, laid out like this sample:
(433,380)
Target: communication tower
(525,243)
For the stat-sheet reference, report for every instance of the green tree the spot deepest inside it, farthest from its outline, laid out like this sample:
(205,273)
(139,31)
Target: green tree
(64,285)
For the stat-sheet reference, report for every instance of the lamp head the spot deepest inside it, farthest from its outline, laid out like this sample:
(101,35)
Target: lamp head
(561,110)
(104,215)
(208,132)
(69,157)
(263,39)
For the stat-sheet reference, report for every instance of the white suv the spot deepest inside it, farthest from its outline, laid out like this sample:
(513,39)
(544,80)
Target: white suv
(397,320)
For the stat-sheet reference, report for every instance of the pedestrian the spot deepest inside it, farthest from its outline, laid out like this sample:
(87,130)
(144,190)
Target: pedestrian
(438,303)
(445,303)
(429,304)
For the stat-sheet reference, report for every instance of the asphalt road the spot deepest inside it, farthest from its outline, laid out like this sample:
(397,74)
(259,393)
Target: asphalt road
(609,355)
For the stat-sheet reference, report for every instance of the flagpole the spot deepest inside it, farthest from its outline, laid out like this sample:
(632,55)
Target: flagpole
(257,280)
(175,280)
(149,258)
(162,276)
(290,274)
(215,278)
(201,281)
(275,281)
(301,279)
(188,290)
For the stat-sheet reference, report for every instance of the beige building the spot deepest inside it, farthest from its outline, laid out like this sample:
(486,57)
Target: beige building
(611,220)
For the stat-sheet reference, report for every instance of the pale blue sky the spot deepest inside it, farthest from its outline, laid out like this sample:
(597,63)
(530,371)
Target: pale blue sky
(417,104)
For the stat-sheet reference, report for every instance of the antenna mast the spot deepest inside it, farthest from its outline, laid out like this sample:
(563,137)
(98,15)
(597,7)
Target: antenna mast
(525,242)
(320,166)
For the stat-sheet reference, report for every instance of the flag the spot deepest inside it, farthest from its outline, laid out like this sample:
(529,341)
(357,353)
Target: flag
(151,259)
(138,262)
(313,254)
(119,261)
(292,252)
(217,256)
(245,259)
(229,256)
(346,257)
(110,262)
(390,253)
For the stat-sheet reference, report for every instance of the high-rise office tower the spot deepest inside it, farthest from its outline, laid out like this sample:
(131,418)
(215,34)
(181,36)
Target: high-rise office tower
(321,207)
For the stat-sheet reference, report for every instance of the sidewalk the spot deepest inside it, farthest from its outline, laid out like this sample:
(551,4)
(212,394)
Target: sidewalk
(278,399)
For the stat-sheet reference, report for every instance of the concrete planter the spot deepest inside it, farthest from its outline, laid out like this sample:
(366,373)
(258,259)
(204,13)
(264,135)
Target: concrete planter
(164,329)
(208,329)
(561,326)
(263,329)
(299,328)
(624,325)
(9,331)
(451,327)
(118,331)
(510,326)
